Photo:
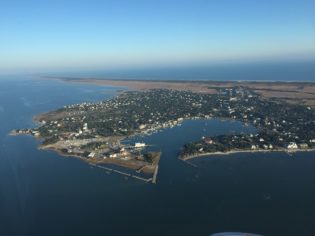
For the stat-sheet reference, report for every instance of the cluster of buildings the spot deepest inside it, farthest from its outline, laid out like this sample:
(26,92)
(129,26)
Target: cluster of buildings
(278,124)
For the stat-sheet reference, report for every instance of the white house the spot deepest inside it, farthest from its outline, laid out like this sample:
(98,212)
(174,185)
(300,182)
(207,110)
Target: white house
(142,126)
(85,127)
(92,154)
(292,145)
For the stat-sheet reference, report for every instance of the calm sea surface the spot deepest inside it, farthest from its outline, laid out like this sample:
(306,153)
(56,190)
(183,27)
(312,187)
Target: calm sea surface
(276,71)
(42,193)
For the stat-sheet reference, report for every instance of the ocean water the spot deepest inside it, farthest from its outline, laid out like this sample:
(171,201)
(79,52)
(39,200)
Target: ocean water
(252,71)
(42,193)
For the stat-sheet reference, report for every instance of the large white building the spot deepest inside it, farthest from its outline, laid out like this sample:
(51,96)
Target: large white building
(139,145)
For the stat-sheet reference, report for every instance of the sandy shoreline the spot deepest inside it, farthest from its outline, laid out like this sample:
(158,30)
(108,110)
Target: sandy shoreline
(244,151)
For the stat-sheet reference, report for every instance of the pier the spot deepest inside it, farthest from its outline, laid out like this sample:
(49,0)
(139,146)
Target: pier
(140,178)
(189,163)
(122,173)
(110,170)
(155,174)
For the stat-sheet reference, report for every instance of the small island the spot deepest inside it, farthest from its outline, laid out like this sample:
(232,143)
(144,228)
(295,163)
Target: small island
(95,132)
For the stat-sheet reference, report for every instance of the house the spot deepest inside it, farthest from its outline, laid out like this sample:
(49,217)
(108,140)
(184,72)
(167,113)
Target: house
(142,126)
(85,127)
(92,154)
(303,145)
(208,141)
(292,145)
(254,147)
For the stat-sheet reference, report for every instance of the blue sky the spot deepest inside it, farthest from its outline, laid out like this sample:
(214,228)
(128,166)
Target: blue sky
(70,34)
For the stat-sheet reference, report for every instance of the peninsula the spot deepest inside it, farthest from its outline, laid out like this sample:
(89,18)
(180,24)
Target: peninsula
(95,132)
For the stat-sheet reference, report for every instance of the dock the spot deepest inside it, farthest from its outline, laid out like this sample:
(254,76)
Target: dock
(122,173)
(140,178)
(110,170)
(189,163)
(155,174)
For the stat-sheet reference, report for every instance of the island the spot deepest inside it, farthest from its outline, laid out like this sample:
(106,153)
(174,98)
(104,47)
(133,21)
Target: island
(95,132)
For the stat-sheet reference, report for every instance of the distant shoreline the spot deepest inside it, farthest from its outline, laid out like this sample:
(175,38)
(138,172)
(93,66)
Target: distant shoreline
(294,92)
(92,79)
